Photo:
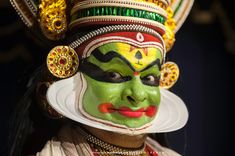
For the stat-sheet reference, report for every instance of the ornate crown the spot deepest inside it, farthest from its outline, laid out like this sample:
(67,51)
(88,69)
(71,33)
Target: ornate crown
(56,17)
(84,24)
(60,17)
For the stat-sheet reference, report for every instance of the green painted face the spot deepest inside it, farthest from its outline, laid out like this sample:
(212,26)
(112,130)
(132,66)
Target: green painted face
(122,84)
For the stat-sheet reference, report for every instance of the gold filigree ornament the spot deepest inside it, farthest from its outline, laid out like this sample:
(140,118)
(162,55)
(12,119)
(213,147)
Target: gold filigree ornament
(62,61)
(169,75)
(170,26)
(52,18)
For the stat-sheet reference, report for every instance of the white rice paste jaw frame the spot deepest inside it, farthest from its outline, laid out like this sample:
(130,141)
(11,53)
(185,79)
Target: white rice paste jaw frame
(65,96)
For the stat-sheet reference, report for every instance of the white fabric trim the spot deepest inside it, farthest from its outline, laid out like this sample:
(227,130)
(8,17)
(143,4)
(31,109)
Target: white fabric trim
(70,143)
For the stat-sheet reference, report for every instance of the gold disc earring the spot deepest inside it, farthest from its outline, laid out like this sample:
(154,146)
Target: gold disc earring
(169,75)
(62,61)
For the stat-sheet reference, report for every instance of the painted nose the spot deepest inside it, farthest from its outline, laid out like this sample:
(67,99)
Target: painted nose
(135,93)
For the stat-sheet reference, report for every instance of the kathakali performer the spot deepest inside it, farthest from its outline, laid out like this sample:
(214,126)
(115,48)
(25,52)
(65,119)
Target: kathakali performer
(106,77)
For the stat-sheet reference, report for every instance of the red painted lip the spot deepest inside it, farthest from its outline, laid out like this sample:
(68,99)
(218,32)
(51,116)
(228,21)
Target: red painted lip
(106,108)
(128,112)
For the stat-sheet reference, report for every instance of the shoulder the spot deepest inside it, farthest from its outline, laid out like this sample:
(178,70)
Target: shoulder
(55,146)
(52,148)
(162,151)
(67,142)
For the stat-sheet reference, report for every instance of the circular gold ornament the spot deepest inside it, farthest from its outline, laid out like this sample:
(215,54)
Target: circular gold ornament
(169,75)
(62,61)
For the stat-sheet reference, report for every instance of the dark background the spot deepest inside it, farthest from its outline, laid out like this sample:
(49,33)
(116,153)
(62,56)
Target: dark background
(204,51)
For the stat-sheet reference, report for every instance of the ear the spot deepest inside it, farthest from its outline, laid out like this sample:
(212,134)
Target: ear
(169,75)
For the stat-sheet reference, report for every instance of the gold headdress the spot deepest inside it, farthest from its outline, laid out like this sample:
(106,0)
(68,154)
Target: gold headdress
(57,18)
(83,24)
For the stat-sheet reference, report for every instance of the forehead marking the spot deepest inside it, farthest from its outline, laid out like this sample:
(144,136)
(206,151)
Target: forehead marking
(136,73)
(139,37)
(110,55)
(112,39)
(138,55)
(145,50)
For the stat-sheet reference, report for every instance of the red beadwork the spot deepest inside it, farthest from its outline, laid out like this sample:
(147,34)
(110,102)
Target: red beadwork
(63,61)
(150,151)
(64,49)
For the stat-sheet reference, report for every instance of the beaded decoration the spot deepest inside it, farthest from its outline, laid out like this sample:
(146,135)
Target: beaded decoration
(169,75)
(62,61)
(170,25)
(27,10)
(53,18)
(99,12)
(109,147)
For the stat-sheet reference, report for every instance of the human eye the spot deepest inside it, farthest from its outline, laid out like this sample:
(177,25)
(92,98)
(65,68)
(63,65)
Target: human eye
(116,77)
(151,80)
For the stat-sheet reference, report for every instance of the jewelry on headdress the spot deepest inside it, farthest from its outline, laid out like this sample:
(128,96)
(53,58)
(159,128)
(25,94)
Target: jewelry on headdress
(116,31)
(170,25)
(62,61)
(143,12)
(27,10)
(111,12)
(53,18)
(169,75)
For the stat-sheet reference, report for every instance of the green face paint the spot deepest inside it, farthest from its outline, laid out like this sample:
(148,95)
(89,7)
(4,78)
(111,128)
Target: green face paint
(119,88)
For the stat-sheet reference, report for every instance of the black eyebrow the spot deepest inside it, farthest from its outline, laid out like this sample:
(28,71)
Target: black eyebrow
(112,54)
(97,73)
(157,62)
(109,56)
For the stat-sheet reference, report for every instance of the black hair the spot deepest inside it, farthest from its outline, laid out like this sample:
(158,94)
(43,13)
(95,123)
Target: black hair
(29,128)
